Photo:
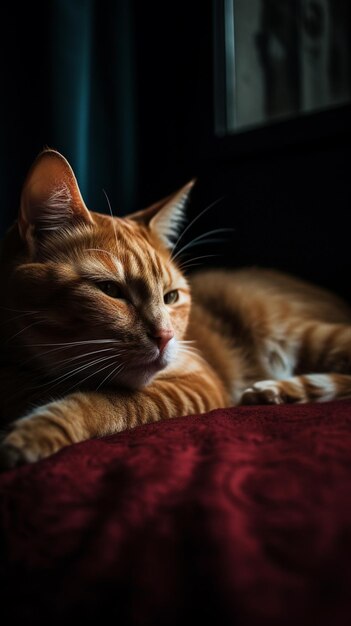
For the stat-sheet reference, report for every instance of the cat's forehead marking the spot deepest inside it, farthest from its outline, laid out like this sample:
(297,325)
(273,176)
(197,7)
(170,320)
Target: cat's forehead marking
(133,266)
(120,269)
(142,262)
(135,261)
(100,266)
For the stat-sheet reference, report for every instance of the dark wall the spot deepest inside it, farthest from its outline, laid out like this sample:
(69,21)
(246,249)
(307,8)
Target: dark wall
(25,103)
(290,207)
(174,75)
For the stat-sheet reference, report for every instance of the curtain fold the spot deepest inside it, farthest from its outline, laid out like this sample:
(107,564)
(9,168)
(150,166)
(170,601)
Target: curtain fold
(93,97)
(72,82)
(68,77)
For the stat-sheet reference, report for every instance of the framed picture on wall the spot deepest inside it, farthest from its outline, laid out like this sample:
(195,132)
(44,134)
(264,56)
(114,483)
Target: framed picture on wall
(282,64)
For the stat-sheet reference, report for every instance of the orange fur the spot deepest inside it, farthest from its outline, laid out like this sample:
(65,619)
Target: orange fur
(85,307)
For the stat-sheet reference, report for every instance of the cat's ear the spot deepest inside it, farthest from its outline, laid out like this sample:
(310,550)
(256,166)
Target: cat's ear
(50,198)
(165,218)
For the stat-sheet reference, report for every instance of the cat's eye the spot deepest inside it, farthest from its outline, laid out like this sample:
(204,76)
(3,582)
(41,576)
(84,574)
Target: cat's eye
(171,297)
(110,289)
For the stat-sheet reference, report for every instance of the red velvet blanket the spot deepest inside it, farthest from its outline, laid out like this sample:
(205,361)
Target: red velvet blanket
(241,516)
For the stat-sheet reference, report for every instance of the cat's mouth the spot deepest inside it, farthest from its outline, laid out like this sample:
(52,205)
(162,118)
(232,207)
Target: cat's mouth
(157,363)
(158,360)
(141,369)
(140,373)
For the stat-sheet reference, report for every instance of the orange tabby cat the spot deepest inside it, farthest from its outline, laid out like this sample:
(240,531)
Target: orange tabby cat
(99,334)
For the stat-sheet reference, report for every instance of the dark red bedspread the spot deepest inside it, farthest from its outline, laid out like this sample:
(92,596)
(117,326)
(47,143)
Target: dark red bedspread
(240,516)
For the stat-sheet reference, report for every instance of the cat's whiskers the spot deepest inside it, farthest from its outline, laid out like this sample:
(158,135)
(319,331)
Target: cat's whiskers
(116,370)
(39,378)
(65,346)
(210,206)
(23,330)
(73,372)
(76,370)
(74,343)
(87,377)
(188,350)
(112,216)
(12,319)
(189,266)
(191,262)
(188,347)
(59,348)
(5,308)
(196,258)
(191,353)
(201,239)
(86,354)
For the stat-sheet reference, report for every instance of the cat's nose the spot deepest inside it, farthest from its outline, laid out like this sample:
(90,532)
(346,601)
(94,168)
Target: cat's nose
(162,336)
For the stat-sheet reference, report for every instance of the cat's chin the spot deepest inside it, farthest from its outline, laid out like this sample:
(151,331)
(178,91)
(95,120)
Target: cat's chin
(138,377)
(141,374)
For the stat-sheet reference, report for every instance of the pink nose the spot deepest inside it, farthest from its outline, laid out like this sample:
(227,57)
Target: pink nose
(162,336)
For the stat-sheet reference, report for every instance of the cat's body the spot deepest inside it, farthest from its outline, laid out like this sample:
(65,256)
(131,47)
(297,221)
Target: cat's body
(99,334)
(257,325)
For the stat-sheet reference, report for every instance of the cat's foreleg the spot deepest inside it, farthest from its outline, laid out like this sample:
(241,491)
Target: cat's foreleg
(83,415)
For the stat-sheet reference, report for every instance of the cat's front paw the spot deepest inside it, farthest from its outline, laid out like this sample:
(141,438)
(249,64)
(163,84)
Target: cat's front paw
(263,392)
(34,437)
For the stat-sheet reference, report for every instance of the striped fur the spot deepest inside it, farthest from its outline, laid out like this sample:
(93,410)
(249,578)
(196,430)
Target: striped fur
(79,362)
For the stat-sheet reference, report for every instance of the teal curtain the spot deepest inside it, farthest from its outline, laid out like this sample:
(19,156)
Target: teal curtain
(68,74)
(93,97)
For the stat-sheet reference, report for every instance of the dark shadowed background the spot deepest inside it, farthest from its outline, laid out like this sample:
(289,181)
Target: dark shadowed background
(252,98)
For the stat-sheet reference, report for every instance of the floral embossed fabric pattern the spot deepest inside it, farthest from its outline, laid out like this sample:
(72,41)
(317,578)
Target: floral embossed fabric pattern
(240,516)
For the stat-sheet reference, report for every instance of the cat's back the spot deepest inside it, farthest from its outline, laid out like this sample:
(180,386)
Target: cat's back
(255,293)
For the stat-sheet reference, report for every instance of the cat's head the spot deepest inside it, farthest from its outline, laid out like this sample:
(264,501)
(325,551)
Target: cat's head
(102,300)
